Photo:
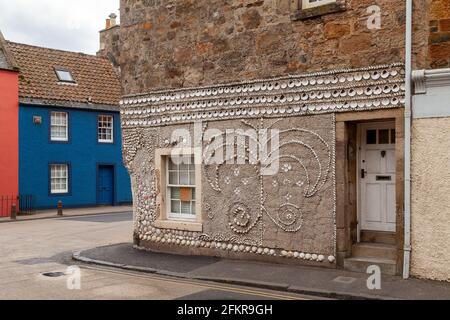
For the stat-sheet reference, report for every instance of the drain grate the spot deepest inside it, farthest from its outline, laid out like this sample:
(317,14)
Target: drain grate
(54,274)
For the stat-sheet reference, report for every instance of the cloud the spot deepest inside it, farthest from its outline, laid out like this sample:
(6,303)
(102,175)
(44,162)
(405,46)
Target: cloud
(59,24)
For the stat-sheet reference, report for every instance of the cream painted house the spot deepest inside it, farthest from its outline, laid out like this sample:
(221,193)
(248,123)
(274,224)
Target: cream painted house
(431,175)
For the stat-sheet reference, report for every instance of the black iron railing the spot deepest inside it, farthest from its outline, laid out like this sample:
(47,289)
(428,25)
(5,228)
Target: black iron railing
(23,204)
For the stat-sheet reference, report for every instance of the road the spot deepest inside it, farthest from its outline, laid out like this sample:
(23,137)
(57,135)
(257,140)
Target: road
(31,249)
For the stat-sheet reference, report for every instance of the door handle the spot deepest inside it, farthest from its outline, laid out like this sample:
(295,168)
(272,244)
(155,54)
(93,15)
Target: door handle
(363,174)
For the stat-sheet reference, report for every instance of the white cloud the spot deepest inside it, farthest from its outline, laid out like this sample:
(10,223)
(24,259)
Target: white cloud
(59,24)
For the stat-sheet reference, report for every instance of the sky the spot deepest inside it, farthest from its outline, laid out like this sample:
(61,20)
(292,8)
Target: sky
(59,24)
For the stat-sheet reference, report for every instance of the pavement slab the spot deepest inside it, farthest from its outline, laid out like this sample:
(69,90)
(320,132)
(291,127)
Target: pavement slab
(330,283)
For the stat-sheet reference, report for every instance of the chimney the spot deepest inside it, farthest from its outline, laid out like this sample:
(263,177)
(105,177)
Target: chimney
(112,19)
(108,24)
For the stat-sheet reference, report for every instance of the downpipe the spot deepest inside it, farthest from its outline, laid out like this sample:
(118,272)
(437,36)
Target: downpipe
(408,119)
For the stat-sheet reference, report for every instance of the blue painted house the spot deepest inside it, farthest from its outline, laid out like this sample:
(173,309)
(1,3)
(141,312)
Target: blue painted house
(70,146)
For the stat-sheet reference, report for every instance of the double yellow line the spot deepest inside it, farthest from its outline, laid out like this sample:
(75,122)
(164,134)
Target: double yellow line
(198,283)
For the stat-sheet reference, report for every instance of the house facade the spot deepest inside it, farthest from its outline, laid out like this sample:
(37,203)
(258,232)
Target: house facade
(319,87)
(430,152)
(9,135)
(69,129)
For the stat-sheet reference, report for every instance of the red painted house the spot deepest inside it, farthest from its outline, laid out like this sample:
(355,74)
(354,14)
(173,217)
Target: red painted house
(9,129)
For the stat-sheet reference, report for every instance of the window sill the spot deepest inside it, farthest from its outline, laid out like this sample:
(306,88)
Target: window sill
(179,225)
(304,14)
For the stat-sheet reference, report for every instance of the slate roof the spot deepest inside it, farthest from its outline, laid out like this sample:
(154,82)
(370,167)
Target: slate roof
(97,83)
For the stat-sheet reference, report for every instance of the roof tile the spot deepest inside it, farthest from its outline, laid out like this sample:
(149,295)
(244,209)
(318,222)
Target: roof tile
(96,79)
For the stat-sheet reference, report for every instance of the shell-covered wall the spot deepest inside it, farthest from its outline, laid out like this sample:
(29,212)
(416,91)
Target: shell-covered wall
(291,214)
(288,213)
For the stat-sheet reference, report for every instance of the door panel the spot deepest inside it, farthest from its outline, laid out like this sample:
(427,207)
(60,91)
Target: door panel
(373,161)
(378,177)
(391,215)
(105,187)
(373,204)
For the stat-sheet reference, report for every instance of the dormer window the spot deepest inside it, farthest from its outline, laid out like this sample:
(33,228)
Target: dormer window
(64,75)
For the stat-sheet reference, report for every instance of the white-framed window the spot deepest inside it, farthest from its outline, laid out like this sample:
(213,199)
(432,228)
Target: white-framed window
(59,126)
(59,178)
(106,129)
(181,187)
(307,4)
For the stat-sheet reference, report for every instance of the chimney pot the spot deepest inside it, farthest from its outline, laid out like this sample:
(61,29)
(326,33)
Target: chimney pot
(113,18)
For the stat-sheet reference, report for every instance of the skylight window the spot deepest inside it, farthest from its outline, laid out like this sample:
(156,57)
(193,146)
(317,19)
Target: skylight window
(64,75)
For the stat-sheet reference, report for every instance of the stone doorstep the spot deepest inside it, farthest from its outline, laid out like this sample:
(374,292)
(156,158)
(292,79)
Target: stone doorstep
(78,256)
(388,267)
(375,250)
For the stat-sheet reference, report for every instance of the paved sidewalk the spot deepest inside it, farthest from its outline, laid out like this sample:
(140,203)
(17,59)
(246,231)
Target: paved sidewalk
(52,214)
(303,280)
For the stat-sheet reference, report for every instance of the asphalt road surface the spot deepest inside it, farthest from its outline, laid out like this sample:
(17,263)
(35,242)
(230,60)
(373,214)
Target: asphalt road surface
(36,264)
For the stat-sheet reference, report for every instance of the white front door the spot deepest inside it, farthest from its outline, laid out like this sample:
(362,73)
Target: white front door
(377,177)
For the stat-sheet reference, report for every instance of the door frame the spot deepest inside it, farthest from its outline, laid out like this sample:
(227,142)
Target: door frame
(359,136)
(102,164)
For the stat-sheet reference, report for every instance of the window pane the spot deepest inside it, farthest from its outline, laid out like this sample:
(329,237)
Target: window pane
(172,165)
(184,166)
(64,76)
(371,136)
(175,206)
(184,178)
(175,193)
(181,176)
(393,137)
(192,178)
(384,136)
(59,178)
(173,177)
(105,128)
(59,123)
(185,207)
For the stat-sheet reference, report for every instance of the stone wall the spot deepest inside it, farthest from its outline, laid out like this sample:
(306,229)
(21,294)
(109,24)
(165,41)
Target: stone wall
(431,199)
(185,43)
(110,45)
(439,37)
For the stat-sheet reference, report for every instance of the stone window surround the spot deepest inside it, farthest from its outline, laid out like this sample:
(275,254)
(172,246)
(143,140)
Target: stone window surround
(299,12)
(163,222)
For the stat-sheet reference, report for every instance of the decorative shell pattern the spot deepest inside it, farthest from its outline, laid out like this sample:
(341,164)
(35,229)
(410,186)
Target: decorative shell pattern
(324,92)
